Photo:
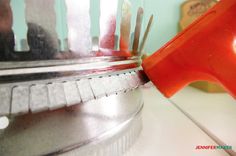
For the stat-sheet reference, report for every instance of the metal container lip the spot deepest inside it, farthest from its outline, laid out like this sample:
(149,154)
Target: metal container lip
(57,62)
(65,68)
(32,70)
(106,135)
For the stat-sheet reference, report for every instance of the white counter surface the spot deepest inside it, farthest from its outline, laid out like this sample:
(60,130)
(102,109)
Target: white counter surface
(167,131)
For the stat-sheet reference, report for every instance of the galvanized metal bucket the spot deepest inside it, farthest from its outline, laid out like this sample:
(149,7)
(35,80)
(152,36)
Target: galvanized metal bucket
(69,76)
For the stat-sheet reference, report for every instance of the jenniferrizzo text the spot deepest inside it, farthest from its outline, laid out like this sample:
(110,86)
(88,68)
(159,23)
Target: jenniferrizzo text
(211,147)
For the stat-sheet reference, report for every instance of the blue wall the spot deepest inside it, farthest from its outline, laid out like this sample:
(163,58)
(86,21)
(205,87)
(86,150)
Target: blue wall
(165,26)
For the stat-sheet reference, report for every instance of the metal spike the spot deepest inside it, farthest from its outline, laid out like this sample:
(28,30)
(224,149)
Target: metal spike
(42,13)
(78,19)
(131,40)
(118,24)
(146,34)
(137,31)
(125,26)
(108,11)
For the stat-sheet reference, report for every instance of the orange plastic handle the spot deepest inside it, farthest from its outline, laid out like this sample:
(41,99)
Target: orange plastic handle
(206,50)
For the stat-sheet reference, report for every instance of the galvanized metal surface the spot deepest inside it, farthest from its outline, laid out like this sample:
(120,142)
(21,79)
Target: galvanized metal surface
(78,67)
(108,10)
(78,20)
(24,78)
(107,126)
(50,94)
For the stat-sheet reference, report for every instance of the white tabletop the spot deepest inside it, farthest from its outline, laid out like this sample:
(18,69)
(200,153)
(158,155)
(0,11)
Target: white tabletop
(169,132)
(214,113)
